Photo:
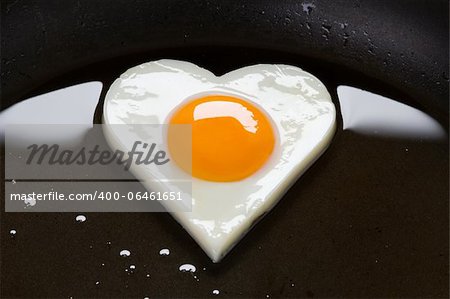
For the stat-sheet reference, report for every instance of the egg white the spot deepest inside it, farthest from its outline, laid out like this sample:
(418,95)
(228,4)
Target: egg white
(297,103)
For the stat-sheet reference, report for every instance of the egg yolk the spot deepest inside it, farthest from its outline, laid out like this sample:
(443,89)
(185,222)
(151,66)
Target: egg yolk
(231,138)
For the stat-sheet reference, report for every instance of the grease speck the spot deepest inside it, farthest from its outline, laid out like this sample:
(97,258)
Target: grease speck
(125,253)
(308,8)
(131,269)
(80,218)
(29,202)
(187,268)
(326,28)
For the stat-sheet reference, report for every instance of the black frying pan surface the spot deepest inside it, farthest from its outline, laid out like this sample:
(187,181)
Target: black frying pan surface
(367,220)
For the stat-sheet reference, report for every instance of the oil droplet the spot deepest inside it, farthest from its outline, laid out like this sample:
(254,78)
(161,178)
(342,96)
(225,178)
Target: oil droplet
(97,283)
(346,37)
(308,7)
(164,251)
(326,28)
(29,202)
(148,275)
(146,298)
(131,269)
(125,253)
(292,284)
(216,292)
(187,268)
(80,218)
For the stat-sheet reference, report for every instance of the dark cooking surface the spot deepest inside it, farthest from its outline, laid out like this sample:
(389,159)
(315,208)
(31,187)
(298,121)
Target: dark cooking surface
(369,219)
(401,42)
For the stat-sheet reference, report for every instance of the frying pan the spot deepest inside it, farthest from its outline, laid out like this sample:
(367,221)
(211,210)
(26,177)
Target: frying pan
(364,221)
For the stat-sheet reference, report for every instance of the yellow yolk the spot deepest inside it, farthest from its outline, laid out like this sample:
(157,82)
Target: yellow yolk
(231,138)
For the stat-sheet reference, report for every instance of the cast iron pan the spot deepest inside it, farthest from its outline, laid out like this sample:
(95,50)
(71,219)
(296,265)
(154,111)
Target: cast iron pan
(367,220)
